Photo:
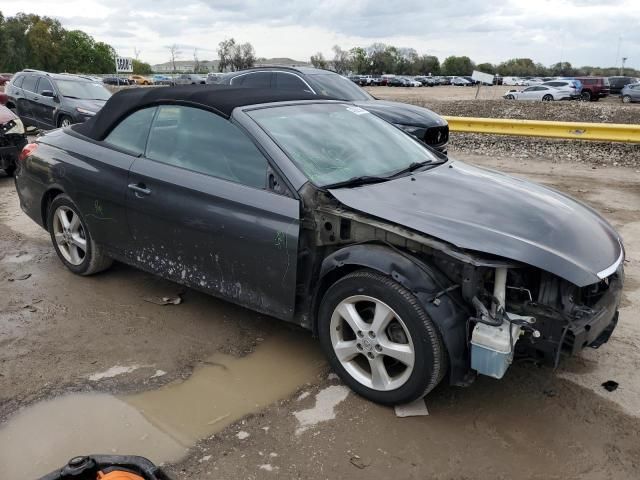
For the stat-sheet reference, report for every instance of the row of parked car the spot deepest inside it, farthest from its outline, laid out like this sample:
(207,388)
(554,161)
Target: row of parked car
(582,88)
(409,81)
(169,80)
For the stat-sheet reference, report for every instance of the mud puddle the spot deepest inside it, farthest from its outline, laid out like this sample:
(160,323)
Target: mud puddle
(160,424)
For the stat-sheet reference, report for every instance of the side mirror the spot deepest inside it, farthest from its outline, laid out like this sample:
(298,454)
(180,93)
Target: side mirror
(47,93)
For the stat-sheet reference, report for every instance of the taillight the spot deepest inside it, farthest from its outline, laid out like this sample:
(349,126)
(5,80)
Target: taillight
(27,151)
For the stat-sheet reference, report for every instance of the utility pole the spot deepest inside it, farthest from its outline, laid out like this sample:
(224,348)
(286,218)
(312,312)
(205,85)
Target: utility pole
(624,59)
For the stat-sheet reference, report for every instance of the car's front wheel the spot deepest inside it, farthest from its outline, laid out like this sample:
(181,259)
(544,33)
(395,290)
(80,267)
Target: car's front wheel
(626,99)
(547,98)
(72,240)
(379,339)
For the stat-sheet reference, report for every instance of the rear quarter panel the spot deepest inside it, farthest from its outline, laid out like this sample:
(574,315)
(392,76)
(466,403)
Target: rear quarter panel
(92,175)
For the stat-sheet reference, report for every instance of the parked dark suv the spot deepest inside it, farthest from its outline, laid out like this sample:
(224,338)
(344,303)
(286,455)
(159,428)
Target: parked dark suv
(616,84)
(594,88)
(47,100)
(417,121)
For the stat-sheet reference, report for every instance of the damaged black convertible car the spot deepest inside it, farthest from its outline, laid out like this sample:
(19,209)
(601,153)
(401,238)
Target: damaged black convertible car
(410,267)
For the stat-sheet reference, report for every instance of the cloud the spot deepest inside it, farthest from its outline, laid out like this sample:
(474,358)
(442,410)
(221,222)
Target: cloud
(583,32)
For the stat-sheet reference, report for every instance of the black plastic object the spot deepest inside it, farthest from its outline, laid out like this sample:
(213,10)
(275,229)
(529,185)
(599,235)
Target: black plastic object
(87,467)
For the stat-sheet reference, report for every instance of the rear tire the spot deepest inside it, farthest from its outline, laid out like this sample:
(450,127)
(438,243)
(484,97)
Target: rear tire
(72,240)
(626,99)
(64,121)
(586,96)
(547,98)
(379,339)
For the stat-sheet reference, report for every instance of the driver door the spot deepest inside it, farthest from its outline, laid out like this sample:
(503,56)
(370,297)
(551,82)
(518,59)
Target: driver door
(200,213)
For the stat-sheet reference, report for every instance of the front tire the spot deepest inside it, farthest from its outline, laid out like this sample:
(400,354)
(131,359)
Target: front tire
(72,240)
(547,98)
(379,339)
(626,99)
(586,96)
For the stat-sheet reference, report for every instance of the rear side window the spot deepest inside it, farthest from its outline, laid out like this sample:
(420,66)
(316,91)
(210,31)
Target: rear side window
(287,81)
(206,143)
(29,83)
(18,81)
(131,133)
(254,80)
(44,85)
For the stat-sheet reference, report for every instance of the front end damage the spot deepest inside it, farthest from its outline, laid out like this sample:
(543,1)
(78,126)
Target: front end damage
(489,310)
(12,140)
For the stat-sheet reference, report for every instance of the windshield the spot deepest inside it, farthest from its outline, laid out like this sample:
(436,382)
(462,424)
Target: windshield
(336,86)
(82,90)
(333,142)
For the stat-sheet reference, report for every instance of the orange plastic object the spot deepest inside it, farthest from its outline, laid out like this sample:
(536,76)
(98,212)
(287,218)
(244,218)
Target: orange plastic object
(118,475)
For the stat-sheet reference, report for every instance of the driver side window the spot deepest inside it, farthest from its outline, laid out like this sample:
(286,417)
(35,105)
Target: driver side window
(206,143)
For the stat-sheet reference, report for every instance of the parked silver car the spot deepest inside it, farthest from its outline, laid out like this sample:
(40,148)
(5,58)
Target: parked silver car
(571,87)
(630,93)
(189,79)
(538,92)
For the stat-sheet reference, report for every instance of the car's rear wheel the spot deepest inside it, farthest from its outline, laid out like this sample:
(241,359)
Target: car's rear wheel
(586,96)
(626,99)
(64,121)
(547,98)
(509,97)
(72,240)
(379,339)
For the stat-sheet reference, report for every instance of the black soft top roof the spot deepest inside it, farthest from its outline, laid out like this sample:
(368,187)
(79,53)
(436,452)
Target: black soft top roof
(220,98)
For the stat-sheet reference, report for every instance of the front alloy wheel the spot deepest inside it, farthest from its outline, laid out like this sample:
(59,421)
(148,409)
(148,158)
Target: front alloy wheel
(379,339)
(372,343)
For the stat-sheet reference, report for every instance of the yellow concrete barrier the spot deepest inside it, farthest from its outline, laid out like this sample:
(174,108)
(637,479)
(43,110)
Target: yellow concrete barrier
(604,132)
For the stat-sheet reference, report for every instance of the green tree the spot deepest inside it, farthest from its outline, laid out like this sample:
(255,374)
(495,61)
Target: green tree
(457,66)
(426,64)
(359,60)
(141,68)
(486,68)
(563,69)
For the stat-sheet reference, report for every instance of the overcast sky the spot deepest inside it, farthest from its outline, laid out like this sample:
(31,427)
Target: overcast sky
(583,32)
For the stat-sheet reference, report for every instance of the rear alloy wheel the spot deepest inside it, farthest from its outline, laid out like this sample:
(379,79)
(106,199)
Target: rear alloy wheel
(509,97)
(586,96)
(379,339)
(547,98)
(72,240)
(626,99)
(64,121)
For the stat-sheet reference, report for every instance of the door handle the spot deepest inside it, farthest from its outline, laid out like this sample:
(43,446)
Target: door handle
(140,189)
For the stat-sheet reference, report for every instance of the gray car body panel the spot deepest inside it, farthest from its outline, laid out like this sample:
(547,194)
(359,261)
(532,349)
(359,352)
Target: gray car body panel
(486,211)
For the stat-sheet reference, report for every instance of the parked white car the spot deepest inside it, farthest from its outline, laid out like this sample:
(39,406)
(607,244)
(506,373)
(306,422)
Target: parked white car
(510,80)
(460,81)
(537,92)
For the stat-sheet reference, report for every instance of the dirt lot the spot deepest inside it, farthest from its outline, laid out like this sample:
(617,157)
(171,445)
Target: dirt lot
(86,364)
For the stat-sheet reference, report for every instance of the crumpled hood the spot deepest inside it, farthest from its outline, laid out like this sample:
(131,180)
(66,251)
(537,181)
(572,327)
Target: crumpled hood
(486,211)
(402,113)
(6,115)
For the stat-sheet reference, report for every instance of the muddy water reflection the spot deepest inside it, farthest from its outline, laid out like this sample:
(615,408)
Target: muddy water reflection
(159,424)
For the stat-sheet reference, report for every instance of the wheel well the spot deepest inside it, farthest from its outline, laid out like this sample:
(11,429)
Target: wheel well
(46,203)
(329,279)
(10,105)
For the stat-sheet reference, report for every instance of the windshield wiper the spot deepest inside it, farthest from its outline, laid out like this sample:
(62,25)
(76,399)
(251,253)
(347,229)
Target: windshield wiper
(357,181)
(413,166)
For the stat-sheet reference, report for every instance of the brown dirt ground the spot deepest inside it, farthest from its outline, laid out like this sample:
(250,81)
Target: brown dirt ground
(533,424)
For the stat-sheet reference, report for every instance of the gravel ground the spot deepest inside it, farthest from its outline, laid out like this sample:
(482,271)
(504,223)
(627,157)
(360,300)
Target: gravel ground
(446,101)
